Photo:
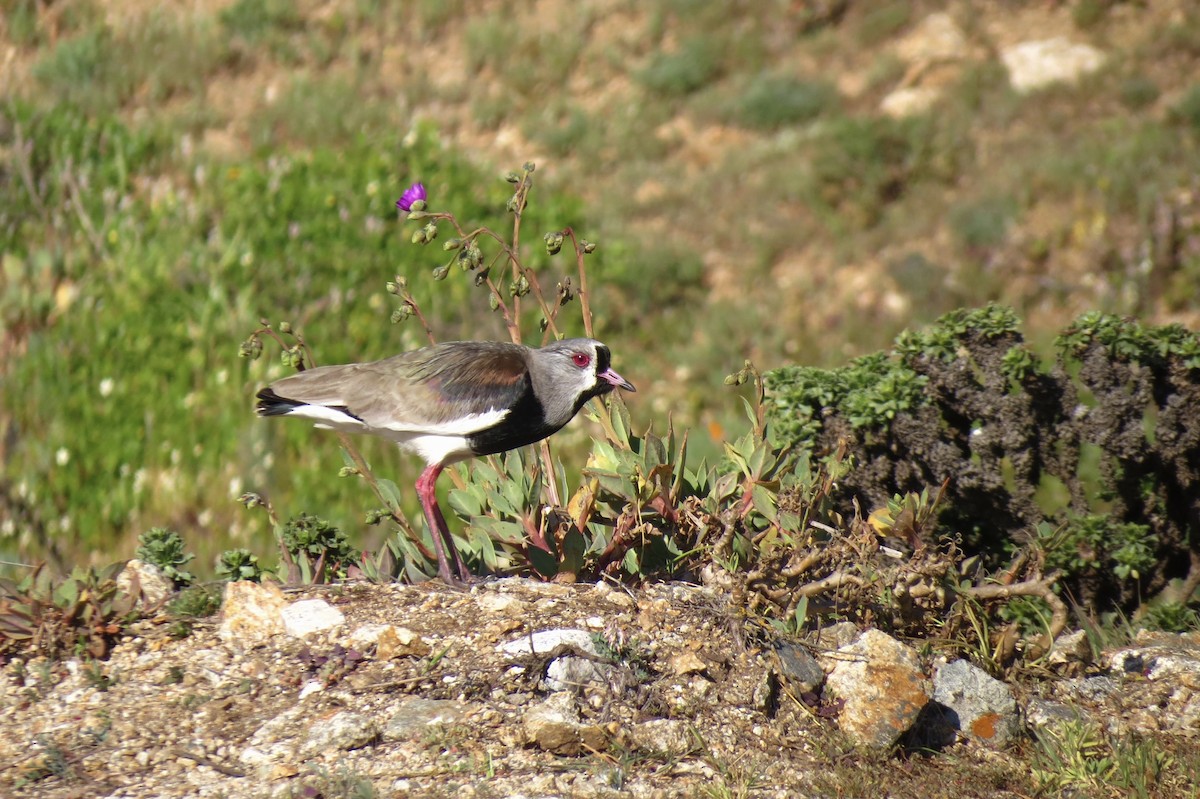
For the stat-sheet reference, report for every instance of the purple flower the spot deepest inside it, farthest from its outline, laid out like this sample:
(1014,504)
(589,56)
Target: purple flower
(412,195)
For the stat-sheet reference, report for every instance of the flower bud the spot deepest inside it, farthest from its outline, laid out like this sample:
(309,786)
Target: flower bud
(392,288)
(554,242)
(430,232)
(493,301)
(512,177)
(418,205)
(251,348)
(452,244)
(441,272)
(529,166)
(565,294)
(416,215)
(418,236)
(481,276)
(285,327)
(347,471)
(587,246)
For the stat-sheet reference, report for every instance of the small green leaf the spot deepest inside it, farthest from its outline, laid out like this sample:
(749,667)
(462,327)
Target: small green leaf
(391,494)
(764,502)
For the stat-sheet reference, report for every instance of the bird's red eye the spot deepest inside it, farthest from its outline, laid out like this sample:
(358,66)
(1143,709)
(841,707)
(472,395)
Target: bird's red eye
(581,359)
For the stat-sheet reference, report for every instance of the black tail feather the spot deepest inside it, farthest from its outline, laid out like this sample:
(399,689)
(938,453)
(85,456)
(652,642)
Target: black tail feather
(271,404)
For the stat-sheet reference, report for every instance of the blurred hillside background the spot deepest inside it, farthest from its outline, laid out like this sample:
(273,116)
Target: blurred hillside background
(778,180)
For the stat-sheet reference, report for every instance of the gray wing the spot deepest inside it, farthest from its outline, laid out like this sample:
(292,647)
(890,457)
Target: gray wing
(427,388)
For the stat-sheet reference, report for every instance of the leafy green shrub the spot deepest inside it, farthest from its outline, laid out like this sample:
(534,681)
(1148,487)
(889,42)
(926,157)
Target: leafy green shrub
(1172,617)
(196,601)
(772,101)
(270,26)
(239,564)
(316,547)
(83,70)
(869,392)
(883,21)
(965,401)
(859,166)
(165,549)
(83,613)
(982,224)
(694,65)
(1137,92)
(1187,108)
(1090,13)
(1100,542)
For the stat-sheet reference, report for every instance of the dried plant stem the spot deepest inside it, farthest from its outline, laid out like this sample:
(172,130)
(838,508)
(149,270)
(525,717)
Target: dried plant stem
(267,330)
(365,472)
(411,302)
(518,270)
(1042,588)
(582,291)
(85,221)
(25,148)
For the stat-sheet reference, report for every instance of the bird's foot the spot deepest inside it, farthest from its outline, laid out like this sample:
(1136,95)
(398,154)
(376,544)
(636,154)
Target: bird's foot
(461,581)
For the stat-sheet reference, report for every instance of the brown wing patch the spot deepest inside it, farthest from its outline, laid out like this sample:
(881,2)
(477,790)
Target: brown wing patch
(500,368)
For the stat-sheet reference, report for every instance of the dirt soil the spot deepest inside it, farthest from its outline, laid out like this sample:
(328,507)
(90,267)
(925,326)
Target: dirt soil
(690,700)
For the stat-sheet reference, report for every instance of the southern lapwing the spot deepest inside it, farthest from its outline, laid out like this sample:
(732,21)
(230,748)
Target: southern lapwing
(450,402)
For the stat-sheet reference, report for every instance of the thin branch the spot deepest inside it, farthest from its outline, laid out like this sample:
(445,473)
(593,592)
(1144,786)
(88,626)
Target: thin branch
(407,298)
(1042,588)
(85,220)
(582,291)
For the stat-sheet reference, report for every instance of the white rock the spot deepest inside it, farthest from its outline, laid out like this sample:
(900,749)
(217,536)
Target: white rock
(309,616)
(152,584)
(547,640)
(909,101)
(881,683)
(251,612)
(564,673)
(311,687)
(1034,65)
(984,707)
(935,38)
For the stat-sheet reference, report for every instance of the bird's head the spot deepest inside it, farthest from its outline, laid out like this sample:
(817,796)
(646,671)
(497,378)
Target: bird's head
(580,368)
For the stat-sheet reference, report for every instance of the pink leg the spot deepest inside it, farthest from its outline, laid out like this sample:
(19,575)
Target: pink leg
(438,529)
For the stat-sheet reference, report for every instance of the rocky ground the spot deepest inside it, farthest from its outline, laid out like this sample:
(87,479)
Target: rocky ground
(520,688)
